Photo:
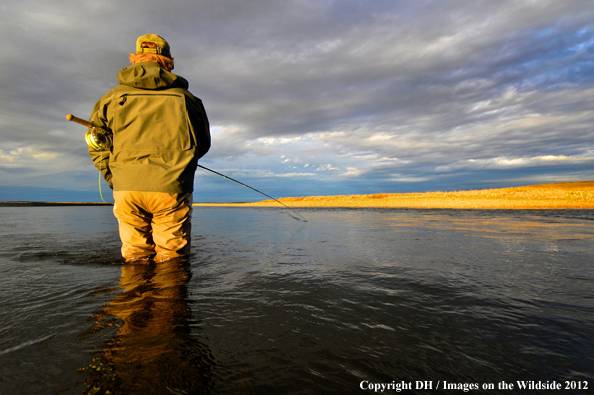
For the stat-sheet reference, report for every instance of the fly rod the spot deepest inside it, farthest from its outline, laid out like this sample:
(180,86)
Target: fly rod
(100,139)
(253,189)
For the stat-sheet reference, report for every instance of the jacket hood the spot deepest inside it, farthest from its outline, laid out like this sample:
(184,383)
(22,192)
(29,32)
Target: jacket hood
(149,75)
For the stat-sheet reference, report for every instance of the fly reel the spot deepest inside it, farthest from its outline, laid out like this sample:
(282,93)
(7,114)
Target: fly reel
(99,139)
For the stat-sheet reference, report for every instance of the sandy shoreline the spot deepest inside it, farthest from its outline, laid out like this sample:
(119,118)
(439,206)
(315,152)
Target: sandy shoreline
(568,195)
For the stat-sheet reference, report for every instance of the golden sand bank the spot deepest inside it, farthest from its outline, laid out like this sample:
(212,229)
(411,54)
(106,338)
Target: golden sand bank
(565,195)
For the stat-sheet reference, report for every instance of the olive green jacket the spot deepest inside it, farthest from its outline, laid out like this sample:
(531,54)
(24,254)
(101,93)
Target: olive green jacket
(160,130)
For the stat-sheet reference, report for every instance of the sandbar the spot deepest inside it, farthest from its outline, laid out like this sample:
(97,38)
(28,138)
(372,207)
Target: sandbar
(564,195)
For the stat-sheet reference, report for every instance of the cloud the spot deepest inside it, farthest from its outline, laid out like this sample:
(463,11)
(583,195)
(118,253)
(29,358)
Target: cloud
(369,94)
(508,162)
(23,156)
(327,167)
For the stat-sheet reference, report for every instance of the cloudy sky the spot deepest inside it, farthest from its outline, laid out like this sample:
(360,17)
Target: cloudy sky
(312,97)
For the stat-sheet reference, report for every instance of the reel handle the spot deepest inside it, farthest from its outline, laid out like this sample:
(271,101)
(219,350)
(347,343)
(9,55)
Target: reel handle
(80,121)
(96,138)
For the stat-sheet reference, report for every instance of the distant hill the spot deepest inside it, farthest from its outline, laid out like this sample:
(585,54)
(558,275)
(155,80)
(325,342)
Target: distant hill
(567,186)
(562,195)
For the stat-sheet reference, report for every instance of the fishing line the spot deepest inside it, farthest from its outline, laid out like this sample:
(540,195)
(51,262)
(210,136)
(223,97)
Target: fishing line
(100,167)
(101,140)
(254,189)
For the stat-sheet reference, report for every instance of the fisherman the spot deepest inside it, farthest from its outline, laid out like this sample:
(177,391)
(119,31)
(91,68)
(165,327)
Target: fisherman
(160,130)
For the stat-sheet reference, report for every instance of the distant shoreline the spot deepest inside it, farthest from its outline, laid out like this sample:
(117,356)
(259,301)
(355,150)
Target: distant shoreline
(565,195)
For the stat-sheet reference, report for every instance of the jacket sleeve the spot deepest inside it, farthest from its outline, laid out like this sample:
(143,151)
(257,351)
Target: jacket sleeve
(101,158)
(200,126)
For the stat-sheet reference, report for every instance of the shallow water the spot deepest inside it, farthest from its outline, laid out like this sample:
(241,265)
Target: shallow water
(270,305)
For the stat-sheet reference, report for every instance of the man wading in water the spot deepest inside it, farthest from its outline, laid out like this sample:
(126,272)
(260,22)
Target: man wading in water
(160,130)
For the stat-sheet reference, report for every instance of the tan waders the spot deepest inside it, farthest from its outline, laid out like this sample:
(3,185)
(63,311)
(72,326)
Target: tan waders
(153,224)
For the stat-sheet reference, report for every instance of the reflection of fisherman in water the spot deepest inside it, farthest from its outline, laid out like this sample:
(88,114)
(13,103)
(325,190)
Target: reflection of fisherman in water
(153,351)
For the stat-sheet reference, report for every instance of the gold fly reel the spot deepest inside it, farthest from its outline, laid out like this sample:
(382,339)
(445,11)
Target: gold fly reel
(99,139)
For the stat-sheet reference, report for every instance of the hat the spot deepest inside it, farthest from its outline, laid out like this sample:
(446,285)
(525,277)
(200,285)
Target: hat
(162,45)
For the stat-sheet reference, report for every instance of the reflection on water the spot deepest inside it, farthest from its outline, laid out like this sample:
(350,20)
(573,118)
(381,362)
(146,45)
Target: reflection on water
(270,305)
(153,350)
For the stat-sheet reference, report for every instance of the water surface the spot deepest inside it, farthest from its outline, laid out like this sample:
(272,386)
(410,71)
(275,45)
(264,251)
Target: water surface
(270,305)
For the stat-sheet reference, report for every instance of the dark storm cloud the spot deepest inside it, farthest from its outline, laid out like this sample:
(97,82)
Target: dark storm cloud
(333,91)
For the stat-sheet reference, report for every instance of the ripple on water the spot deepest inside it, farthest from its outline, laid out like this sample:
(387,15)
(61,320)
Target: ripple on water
(267,302)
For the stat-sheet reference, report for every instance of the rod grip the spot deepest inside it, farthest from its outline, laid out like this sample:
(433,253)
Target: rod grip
(80,121)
